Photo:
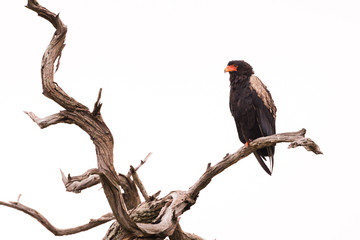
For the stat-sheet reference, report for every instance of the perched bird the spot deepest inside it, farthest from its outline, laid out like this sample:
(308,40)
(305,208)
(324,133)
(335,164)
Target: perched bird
(253,109)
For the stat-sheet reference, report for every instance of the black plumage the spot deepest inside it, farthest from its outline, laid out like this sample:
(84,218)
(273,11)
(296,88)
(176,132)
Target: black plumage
(253,109)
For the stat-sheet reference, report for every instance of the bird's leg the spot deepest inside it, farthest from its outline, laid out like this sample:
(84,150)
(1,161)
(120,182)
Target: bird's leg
(248,142)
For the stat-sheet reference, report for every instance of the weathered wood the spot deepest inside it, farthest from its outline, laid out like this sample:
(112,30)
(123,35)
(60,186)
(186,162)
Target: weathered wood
(78,183)
(153,219)
(77,113)
(58,231)
(139,183)
(142,162)
(230,159)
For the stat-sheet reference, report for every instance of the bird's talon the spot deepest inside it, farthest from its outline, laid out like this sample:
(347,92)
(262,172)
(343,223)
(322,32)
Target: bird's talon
(248,142)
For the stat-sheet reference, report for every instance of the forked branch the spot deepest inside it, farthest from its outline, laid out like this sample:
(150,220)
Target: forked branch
(180,201)
(160,217)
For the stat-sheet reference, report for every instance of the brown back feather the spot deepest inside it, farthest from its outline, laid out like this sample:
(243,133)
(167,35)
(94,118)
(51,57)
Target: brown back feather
(263,93)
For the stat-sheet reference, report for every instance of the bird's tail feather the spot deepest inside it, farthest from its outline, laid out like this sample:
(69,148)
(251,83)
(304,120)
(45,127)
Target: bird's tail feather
(271,157)
(262,163)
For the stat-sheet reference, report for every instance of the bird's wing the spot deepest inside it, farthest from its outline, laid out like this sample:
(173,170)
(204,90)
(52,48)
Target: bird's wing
(266,115)
(263,93)
(264,105)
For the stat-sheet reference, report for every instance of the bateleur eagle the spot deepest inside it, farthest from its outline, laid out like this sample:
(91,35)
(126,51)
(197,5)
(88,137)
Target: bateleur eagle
(253,109)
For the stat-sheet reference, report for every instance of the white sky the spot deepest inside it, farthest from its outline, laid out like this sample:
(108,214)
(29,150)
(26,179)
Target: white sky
(160,64)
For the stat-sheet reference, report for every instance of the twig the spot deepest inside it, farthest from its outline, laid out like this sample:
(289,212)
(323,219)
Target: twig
(49,120)
(18,199)
(139,183)
(142,162)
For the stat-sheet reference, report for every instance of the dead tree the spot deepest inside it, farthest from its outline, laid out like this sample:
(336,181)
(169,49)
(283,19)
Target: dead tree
(155,218)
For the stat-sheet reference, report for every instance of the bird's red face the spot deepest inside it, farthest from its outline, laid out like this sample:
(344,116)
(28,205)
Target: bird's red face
(231,68)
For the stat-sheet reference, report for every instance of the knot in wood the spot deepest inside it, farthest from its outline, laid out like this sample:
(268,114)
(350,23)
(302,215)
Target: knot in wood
(147,212)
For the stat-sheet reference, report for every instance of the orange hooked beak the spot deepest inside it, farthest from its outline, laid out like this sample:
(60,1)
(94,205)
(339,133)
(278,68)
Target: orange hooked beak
(231,68)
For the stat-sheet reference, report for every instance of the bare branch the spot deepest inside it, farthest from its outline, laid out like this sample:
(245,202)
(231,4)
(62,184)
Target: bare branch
(18,199)
(296,139)
(308,144)
(133,172)
(139,183)
(92,177)
(78,183)
(57,231)
(142,162)
(49,120)
(52,53)
(80,115)
(181,201)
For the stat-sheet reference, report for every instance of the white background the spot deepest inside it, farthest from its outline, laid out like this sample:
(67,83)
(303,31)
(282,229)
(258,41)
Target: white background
(160,64)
